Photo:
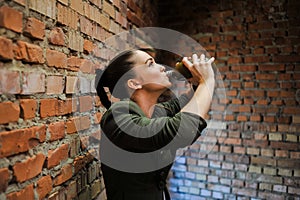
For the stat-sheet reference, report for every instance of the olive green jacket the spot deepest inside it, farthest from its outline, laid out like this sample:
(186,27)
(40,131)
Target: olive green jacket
(137,152)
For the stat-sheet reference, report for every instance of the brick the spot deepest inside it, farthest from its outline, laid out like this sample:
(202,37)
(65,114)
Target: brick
(7,52)
(21,140)
(109,9)
(30,168)
(252,151)
(86,25)
(28,52)
(293,190)
(280,188)
(57,155)
(244,159)
(56,59)
(269,171)
(85,103)
(67,16)
(122,20)
(29,107)
(10,82)
(281,153)
(275,136)
(71,190)
(9,112)
(115,29)
(239,150)
(5,176)
(285,172)
(81,161)
(296,119)
(87,66)
(291,110)
(72,85)
(95,188)
(33,82)
(265,76)
(291,138)
(288,163)
(44,186)
(296,172)
(48,107)
(88,46)
(55,85)
(48,8)
(269,195)
(286,58)
(244,192)
(57,37)
(284,145)
(66,106)
(11,19)
(104,21)
(35,28)
(56,130)
(255,118)
(77,124)
(271,67)
(255,169)
(26,193)
(74,146)
(263,161)
(252,93)
(77,5)
(234,60)
(97,117)
(74,63)
(265,186)
(256,59)
(234,141)
(75,41)
(270,179)
(64,175)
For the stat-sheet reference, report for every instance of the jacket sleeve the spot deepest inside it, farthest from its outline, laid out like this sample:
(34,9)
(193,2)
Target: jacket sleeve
(134,132)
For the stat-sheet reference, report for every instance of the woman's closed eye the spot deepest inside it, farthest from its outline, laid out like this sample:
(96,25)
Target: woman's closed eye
(151,63)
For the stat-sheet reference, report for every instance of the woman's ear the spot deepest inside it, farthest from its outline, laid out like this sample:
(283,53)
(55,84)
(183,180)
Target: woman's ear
(134,84)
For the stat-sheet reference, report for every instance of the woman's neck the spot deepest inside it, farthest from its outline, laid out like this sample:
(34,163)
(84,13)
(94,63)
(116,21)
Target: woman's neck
(146,101)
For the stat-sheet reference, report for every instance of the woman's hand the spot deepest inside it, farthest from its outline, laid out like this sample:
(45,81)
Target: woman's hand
(201,69)
(203,74)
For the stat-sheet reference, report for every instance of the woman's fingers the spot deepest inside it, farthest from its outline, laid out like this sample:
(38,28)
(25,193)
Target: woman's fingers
(202,58)
(211,60)
(195,59)
(187,63)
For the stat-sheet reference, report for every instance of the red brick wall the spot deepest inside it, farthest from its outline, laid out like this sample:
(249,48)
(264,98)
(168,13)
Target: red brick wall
(43,46)
(256,45)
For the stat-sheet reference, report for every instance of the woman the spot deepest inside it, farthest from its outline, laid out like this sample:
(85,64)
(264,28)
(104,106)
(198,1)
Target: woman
(139,125)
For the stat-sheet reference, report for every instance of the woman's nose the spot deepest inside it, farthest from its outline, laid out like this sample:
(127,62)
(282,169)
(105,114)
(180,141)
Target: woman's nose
(162,68)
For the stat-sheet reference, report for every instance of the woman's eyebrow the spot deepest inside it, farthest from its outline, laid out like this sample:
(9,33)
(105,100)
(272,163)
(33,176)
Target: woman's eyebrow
(148,60)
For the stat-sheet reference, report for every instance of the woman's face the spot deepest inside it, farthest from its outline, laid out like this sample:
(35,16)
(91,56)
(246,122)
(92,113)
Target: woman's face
(151,76)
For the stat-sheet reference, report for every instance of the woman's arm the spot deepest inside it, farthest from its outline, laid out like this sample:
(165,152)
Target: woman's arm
(203,73)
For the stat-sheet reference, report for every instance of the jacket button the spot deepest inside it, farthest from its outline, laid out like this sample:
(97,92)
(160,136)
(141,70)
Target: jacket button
(162,174)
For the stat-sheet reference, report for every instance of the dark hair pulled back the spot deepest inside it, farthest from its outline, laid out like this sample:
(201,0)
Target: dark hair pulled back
(117,72)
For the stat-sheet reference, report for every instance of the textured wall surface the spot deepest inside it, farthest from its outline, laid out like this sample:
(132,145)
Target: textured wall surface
(49,114)
(252,150)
